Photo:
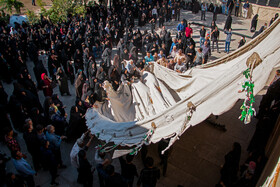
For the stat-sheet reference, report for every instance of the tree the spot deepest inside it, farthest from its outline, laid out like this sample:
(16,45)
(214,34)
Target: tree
(8,5)
(33,18)
(60,9)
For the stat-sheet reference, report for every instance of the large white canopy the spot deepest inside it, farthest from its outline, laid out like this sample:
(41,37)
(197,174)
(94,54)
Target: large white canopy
(163,95)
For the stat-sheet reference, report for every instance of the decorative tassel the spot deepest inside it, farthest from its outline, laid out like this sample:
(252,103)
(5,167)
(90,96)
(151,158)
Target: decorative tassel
(247,107)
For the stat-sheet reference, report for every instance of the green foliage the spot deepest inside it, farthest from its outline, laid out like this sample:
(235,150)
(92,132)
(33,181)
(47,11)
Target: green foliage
(91,3)
(8,5)
(60,10)
(4,17)
(41,3)
(18,5)
(32,17)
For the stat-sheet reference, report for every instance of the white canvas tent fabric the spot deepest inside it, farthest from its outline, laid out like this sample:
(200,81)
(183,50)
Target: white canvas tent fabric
(212,88)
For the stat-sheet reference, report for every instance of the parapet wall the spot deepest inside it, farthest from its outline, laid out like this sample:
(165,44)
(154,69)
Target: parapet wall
(265,12)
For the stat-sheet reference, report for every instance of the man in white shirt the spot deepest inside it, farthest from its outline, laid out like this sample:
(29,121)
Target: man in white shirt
(154,13)
(79,145)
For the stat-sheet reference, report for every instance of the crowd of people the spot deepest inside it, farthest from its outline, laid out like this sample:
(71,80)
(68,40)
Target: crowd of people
(71,51)
(80,50)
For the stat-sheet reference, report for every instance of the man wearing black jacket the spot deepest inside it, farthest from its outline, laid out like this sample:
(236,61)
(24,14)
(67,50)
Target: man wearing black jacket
(161,15)
(149,175)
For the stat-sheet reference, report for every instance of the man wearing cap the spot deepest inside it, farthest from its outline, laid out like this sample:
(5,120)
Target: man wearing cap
(79,145)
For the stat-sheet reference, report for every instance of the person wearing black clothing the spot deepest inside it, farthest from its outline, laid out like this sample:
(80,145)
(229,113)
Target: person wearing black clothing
(79,82)
(114,77)
(112,179)
(74,130)
(37,118)
(62,80)
(149,175)
(177,11)
(3,160)
(228,23)
(162,14)
(52,64)
(70,71)
(242,42)
(180,45)
(202,35)
(190,53)
(164,49)
(260,31)
(99,93)
(5,122)
(81,107)
(26,81)
(47,104)
(78,60)
(85,173)
(153,24)
(196,6)
(28,100)
(272,94)
(215,12)
(164,157)
(106,57)
(92,70)
(154,48)
(273,19)
(49,161)
(168,13)
(230,5)
(13,180)
(128,169)
(125,55)
(254,23)
(38,70)
(190,41)
(4,69)
(215,38)
(230,168)
(32,143)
